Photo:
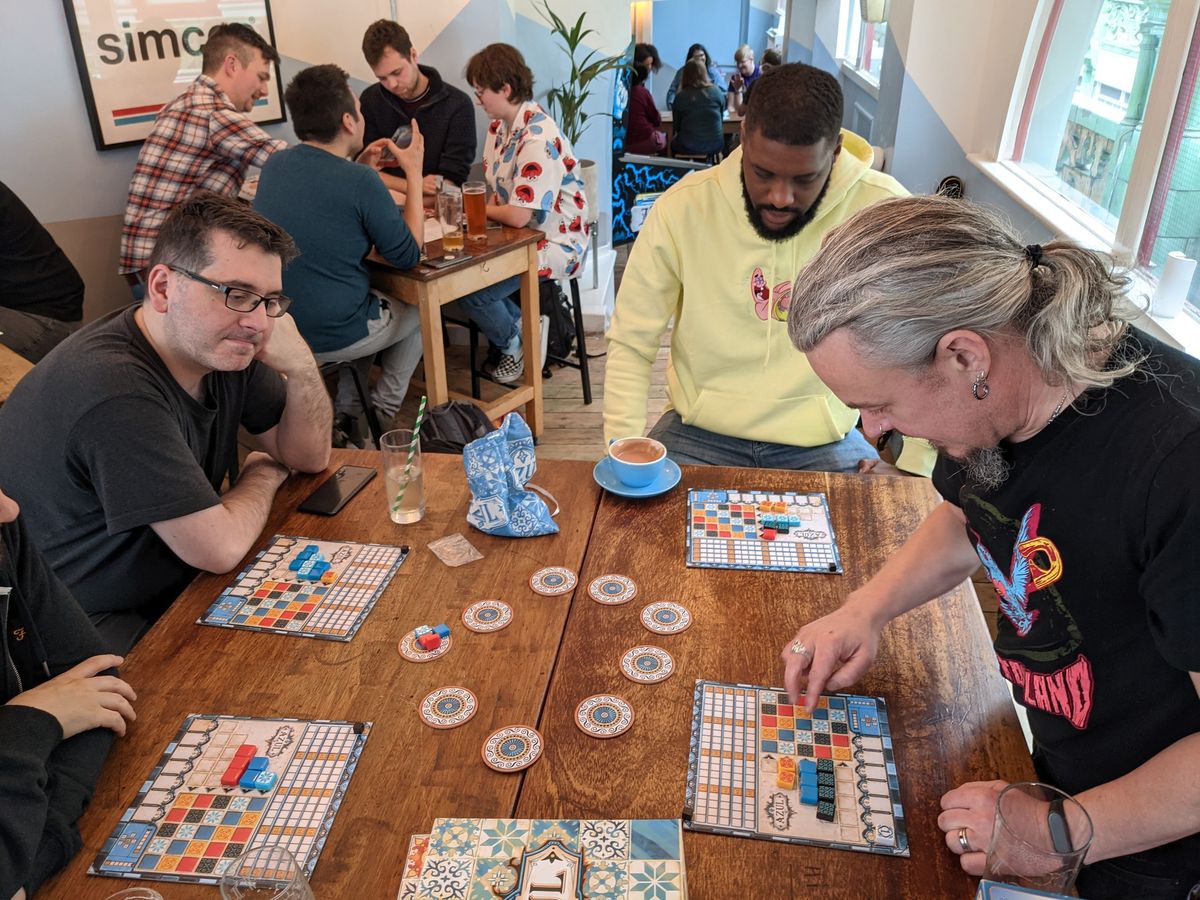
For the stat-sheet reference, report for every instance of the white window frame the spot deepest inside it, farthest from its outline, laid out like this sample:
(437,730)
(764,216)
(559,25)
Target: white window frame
(1058,213)
(851,40)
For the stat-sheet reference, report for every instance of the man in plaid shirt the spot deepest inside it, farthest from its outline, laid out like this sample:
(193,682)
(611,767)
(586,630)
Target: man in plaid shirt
(202,140)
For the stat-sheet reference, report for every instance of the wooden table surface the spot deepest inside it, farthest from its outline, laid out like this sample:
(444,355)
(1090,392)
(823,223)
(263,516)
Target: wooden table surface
(409,774)
(505,253)
(13,367)
(950,712)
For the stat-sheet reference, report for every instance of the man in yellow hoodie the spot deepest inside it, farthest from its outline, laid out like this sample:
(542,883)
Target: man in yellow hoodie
(719,253)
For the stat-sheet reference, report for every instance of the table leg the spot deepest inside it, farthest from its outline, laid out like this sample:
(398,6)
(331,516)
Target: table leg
(430,306)
(531,337)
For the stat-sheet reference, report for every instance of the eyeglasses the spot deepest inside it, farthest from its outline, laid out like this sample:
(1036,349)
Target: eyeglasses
(239,299)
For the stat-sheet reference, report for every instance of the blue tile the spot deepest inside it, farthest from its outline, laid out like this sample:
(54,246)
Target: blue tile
(837,703)
(804,724)
(177,847)
(820,714)
(787,734)
(258,804)
(770,747)
(205,832)
(231,818)
(150,860)
(655,839)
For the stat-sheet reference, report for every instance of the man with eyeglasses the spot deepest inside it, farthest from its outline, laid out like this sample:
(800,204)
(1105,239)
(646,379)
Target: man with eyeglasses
(118,443)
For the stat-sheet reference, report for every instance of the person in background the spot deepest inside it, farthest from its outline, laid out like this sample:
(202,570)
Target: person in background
(770,59)
(408,92)
(644,133)
(119,442)
(647,55)
(41,293)
(699,111)
(743,79)
(530,168)
(1067,460)
(336,211)
(204,139)
(62,704)
(697,52)
(717,255)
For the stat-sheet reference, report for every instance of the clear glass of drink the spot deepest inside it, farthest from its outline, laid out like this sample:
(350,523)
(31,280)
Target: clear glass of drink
(141,892)
(1039,838)
(475,206)
(450,217)
(402,472)
(265,872)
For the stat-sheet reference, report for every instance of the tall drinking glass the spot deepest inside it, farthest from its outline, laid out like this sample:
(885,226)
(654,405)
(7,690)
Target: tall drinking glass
(402,472)
(265,873)
(450,217)
(1039,838)
(475,206)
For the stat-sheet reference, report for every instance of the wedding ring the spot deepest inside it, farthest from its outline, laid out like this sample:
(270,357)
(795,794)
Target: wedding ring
(962,840)
(799,648)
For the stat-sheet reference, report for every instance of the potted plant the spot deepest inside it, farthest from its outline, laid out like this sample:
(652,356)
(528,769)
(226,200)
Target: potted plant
(566,100)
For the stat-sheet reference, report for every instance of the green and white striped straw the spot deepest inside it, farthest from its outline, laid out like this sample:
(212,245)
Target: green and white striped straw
(412,451)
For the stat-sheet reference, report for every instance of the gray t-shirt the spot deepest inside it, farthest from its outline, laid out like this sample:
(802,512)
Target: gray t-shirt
(99,441)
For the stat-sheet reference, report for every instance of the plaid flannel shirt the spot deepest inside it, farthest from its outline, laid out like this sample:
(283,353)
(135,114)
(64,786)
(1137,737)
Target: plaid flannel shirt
(200,141)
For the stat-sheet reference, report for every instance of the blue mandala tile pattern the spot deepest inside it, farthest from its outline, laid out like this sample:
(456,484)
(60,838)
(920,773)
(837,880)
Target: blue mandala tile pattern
(655,839)
(605,839)
(501,838)
(451,837)
(493,878)
(446,878)
(564,830)
(606,881)
(654,880)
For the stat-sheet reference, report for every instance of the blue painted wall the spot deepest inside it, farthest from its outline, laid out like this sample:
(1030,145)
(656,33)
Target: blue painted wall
(797,52)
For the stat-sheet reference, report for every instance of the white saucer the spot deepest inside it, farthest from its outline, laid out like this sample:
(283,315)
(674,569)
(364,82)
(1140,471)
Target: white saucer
(607,479)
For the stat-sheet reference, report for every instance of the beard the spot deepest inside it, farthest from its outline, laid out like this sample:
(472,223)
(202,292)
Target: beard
(984,466)
(794,227)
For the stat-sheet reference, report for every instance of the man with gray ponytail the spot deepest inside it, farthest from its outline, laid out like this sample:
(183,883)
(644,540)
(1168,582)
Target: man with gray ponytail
(1067,460)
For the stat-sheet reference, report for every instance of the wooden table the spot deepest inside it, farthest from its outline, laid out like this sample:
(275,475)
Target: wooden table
(13,367)
(505,253)
(950,711)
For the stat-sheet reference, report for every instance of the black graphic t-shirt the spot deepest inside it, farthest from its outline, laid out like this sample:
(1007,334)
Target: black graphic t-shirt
(1093,545)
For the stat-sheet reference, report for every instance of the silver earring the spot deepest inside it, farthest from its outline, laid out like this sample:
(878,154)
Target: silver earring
(980,388)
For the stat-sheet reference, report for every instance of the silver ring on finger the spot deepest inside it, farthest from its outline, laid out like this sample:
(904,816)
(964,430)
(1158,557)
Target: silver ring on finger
(799,649)
(962,840)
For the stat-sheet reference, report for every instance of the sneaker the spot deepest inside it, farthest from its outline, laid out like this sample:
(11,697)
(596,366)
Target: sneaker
(346,432)
(508,369)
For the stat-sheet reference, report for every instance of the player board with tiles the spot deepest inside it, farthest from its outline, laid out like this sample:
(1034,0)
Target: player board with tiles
(302,586)
(228,783)
(785,532)
(762,767)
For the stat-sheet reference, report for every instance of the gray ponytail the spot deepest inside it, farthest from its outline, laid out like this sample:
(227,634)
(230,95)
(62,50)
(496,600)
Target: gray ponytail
(906,271)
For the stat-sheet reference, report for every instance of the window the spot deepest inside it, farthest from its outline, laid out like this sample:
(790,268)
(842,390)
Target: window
(861,43)
(1103,127)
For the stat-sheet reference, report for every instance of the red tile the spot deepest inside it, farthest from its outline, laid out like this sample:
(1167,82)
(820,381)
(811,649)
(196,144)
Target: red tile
(767,721)
(187,864)
(241,835)
(823,751)
(841,740)
(202,801)
(176,815)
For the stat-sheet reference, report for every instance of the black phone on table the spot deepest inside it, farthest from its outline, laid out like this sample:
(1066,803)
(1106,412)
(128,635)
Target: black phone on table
(444,262)
(336,491)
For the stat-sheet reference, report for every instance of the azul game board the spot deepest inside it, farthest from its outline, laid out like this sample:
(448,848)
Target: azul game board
(760,767)
(784,532)
(276,594)
(566,859)
(192,816)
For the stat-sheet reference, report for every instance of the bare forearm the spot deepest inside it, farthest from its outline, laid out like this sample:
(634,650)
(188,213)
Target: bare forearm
(394,182)
(1156,803)
(510,215)
(414,208)
(302,436)
(245,509)
(935,559)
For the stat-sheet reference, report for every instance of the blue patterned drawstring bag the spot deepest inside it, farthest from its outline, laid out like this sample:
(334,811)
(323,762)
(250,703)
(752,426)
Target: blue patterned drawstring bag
(499,466)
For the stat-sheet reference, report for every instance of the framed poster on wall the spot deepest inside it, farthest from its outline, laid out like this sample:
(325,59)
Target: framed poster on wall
(136,56)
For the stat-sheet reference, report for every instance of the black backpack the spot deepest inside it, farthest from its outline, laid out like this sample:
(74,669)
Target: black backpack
(448,428)
(557,308)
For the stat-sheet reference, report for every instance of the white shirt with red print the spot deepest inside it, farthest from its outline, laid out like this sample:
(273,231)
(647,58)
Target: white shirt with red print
(534,166)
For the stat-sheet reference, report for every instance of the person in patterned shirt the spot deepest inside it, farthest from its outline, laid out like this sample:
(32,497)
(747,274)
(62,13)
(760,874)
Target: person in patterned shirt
(530,168)
(204,139)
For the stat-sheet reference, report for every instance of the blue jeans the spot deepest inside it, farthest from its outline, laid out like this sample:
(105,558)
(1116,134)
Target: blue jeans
(689,445)
(496,315)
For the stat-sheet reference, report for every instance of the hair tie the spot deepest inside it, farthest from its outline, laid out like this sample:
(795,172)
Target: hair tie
(1033,252)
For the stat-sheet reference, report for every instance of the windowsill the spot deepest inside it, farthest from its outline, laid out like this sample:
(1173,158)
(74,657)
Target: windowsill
(1182,331)
(861,79)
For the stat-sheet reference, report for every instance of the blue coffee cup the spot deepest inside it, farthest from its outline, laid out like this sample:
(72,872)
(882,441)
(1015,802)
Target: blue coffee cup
(637,461)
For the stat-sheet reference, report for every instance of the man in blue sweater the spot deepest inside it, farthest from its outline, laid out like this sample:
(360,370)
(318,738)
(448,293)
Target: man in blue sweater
(336,209)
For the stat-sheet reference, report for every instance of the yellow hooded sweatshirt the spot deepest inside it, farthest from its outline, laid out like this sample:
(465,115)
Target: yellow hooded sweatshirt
(732,370)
